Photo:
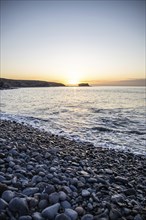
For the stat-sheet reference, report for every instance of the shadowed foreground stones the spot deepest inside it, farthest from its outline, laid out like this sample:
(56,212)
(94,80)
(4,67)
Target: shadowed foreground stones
(47,177)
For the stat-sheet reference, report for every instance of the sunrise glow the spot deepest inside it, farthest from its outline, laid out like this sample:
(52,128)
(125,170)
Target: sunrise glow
(73,41)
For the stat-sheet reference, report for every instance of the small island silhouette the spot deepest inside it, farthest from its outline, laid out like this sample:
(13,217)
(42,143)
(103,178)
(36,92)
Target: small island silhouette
(83,84)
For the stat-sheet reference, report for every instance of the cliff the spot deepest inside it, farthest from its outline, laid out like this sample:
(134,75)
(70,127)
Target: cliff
(11,83)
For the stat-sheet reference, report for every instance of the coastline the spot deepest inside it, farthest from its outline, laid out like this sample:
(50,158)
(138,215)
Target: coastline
(47,174)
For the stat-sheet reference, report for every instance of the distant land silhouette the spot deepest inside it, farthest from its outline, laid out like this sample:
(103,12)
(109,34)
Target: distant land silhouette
(12,83)
(128,82)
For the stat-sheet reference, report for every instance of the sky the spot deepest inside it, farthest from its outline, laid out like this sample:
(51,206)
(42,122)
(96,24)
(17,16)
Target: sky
(73,41)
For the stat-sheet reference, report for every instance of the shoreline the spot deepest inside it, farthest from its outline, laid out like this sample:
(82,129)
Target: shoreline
(78,140)
(48,174)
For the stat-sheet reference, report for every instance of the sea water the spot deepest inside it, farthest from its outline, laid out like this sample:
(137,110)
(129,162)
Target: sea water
(112,117)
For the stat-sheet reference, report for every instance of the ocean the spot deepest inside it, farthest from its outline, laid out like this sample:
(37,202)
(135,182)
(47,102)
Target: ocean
(111,117)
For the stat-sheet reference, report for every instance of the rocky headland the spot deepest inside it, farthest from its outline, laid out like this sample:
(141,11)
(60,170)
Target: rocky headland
(11,83)
(44,176)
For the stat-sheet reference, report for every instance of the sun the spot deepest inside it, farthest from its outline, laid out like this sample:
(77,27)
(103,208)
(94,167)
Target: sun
(73,78)
(73,82)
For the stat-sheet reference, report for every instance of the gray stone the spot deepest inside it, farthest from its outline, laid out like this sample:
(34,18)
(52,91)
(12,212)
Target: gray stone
(19,205)
(3,204)
(71,213)
(2,178)
(33,202)
(29,167)
(43,204)
(92,180)
(67,190)
(54,198)
(87,217)
(8,195)
(36,179)
(62,196)
(25,217)
(126,211)
(108,171)
(114,214)
(65,204)
(79,210)
(118,198)
(50,189)
(90,206)
(62,217)
(11,164)
(37,216)
(84,173)
(13,152)
(51,211)
(47,155)
(85,193)
(101,180)
(129,192)
(30,191)
(138,217)
(121,179)
(52,169)
(49,176)
(3,187)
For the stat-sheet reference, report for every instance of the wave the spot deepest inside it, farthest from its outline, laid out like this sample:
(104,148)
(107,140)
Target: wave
(137,132)
(103,129)
(95,110)
(107,129)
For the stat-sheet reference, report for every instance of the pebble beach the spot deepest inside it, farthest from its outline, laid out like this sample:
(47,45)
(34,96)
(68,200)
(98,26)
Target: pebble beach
(44,176)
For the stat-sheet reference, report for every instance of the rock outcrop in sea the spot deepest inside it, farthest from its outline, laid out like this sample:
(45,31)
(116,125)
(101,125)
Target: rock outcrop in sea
(83,84)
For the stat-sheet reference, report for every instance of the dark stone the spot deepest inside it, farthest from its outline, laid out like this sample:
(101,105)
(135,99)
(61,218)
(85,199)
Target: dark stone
(8,195)
(30,191)
(85,193)
(129,192)
(3,204)
(2,178)
(62,217)
(51,211)
(26,217)
(62,196)
(138,217)
(114,214)
(53,198)
(65,204)
(87,217)
(37,216)
(79,210)
(3,187)
(19,205)
(121,179)
(71,213)
(118,198)
(43,204)
(50,189)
